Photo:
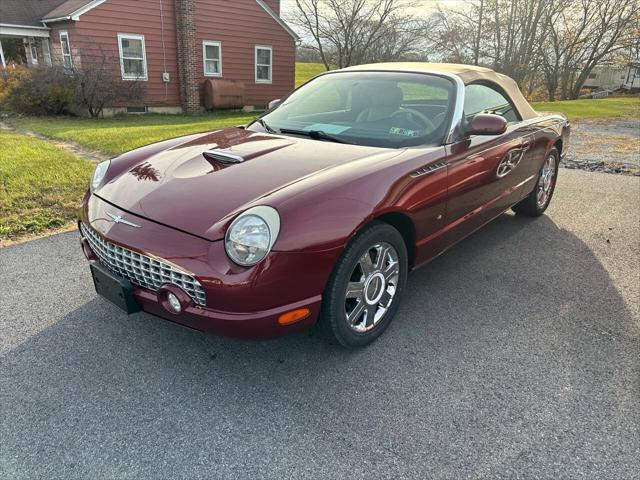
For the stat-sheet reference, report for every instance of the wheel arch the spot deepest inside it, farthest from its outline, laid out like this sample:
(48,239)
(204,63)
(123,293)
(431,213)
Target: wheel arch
(558,146)
(403,223)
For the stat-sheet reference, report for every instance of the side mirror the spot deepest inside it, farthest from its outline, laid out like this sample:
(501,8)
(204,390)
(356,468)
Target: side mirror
(273,104)
(487,124)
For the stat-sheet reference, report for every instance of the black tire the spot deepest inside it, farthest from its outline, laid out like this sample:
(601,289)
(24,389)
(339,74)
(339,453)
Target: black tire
(530,206)
(334,305)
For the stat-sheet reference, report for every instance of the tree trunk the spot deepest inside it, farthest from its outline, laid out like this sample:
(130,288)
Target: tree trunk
(479,34)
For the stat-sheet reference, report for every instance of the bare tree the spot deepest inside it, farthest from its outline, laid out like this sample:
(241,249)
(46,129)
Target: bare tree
(610,31)
(502,34)
(553,42)
(350,32)
(476,53)
(583,33)
(452,33)
(98,83)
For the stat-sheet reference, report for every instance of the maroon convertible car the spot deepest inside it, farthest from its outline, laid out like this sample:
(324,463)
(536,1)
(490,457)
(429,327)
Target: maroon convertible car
(320,207)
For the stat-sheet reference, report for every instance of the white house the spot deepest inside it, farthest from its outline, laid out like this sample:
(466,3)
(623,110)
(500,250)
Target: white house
(632,82)
(614,77)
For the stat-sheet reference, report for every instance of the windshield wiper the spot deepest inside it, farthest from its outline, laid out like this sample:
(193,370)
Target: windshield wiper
(264,125)
(315,134)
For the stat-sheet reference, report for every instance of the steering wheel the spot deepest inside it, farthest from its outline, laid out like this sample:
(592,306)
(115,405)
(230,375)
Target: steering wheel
(410,112)
(438,119)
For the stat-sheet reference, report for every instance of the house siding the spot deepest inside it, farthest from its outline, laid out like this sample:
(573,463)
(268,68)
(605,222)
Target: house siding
(239,25)
(96,35)
(56,49)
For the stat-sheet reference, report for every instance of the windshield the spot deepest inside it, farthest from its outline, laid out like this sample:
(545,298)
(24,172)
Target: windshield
(381,109)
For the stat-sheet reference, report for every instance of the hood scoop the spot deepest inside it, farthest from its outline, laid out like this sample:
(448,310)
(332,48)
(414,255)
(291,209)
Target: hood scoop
(225,157)
(222,157)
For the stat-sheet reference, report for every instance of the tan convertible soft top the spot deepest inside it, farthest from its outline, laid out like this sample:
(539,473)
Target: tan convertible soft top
(467,73)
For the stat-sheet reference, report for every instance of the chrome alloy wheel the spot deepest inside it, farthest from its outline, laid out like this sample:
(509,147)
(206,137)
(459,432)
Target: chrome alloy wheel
(372,287)
(545,182)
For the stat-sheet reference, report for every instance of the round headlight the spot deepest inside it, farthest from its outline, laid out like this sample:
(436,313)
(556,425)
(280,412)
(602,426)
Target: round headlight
(251,236)
(99,173)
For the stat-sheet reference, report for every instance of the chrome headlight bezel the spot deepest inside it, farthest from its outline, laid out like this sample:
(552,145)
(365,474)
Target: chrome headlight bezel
(232,242)
(98,175)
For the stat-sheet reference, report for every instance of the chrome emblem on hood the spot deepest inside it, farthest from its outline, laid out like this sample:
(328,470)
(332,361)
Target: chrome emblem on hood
(119,219)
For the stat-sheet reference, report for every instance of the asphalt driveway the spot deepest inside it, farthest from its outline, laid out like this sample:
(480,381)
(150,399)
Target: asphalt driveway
(515,355)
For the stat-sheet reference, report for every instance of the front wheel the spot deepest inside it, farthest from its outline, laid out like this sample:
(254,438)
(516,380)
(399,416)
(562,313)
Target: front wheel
(538,200)
(364,290)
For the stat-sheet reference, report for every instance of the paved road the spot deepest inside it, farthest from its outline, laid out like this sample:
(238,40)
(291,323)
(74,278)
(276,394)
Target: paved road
(515,355)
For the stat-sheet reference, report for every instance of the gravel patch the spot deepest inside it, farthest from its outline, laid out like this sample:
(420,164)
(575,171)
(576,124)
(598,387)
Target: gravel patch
(605,145)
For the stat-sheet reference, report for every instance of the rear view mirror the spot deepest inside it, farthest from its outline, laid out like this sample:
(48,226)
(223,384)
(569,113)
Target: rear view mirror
(487,124)
(273,104)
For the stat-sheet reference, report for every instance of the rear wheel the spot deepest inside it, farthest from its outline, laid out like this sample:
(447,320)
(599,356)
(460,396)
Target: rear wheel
(364,290)
(538,200)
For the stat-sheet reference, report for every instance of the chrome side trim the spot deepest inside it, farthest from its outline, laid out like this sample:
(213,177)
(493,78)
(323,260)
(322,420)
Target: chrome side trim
(434,167)
(455,129)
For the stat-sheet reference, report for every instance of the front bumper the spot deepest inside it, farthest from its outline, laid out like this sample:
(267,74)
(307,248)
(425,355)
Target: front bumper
(244,302)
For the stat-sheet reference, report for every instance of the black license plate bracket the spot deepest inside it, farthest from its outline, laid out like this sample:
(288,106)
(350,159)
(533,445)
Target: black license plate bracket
(116,289)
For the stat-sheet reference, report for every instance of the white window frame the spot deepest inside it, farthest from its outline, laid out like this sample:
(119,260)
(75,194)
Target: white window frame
(62,35)
(4,65)
(133,36)
(256,65)
(46,50)
(33,51)
(211,43)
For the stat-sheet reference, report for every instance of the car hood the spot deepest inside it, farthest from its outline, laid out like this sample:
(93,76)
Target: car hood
(185,188)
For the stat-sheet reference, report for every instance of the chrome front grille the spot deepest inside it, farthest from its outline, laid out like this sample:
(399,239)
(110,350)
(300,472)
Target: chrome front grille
(140,269)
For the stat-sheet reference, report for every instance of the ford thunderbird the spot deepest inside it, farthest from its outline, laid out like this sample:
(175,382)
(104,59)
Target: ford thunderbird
(318,209)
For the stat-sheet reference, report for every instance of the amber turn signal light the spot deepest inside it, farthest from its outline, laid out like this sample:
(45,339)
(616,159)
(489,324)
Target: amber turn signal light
(293,316)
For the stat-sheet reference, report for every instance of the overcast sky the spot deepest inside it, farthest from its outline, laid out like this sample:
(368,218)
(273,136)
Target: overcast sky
(421,6)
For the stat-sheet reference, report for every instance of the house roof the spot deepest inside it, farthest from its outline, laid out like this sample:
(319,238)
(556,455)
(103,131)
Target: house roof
(21,12)
(70,9)
(278,19)
(36,12)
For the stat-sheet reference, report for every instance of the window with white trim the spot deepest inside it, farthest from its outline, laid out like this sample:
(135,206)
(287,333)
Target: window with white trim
(33,48)
(212,58)
(65,48)
(264,63)
(133,58)
(46,50)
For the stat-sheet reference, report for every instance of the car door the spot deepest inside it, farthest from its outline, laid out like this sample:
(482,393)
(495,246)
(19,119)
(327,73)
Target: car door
(485,172)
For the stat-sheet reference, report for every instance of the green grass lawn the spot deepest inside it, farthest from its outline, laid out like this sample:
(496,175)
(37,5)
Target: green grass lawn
(593,108)
(306,71)
(40,185)
(113,136)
